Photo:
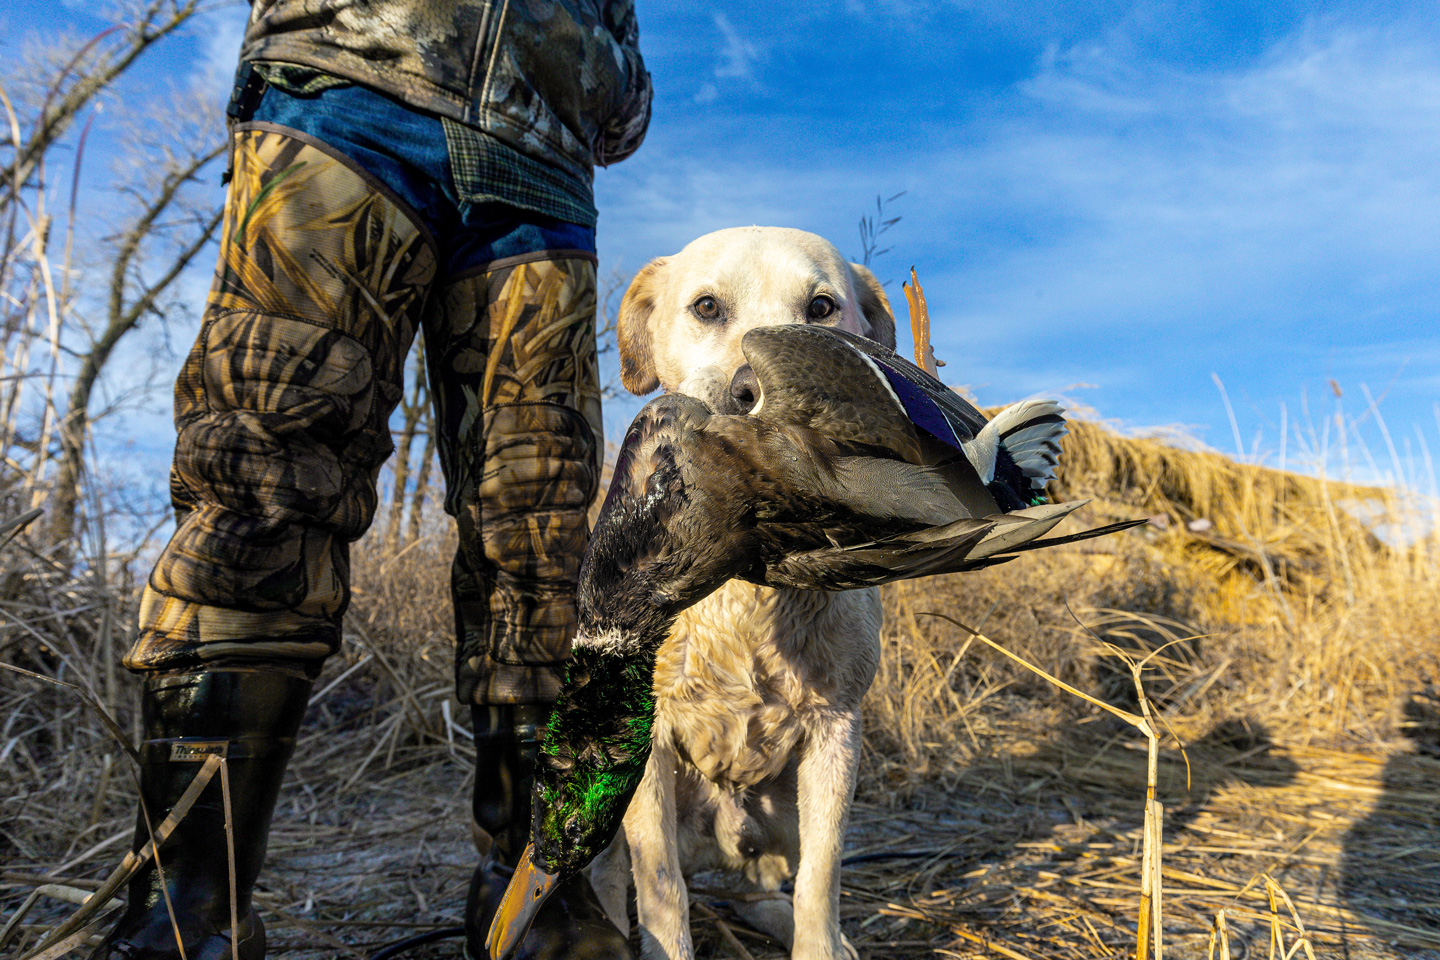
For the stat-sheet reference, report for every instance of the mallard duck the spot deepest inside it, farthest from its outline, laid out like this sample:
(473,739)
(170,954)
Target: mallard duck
(852,468)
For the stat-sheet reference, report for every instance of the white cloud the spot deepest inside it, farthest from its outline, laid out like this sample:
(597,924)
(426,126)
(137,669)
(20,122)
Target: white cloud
(224,30)
(1161,192)
(738,56)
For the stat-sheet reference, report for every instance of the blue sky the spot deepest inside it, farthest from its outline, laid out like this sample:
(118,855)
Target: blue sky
(1116,202)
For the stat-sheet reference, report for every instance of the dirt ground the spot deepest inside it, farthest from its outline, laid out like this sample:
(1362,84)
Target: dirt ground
(1035,854)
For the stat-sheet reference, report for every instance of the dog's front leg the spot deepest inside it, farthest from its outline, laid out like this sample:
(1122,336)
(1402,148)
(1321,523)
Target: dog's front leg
(825,788)
(662,901)
(610,877)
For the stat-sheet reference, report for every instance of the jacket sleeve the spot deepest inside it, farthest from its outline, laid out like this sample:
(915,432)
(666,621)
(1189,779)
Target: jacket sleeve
(624,131)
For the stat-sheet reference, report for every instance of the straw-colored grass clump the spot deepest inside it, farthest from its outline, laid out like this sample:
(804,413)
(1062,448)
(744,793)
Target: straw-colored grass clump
(1293,613)
(1290,650)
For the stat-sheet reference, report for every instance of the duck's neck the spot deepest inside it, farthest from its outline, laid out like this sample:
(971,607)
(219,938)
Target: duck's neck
(594,752)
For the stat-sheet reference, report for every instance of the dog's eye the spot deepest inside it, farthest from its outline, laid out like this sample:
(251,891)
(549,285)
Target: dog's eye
(706,308)
(820,308)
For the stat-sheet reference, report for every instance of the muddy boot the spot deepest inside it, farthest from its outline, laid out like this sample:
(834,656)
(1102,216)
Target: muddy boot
(252,718)
(572,925)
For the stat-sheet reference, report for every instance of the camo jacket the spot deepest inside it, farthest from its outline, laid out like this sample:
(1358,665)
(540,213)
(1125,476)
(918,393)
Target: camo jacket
(561,81)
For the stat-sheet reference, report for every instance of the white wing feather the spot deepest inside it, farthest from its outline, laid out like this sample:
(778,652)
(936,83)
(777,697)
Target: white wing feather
(1029,433)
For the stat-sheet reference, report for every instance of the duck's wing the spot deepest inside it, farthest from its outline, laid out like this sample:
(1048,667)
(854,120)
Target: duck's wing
(851,388)
(801,477)
(1023,439)
(966,544)
(900,557)
(930,405)
(961,545)
(876,488)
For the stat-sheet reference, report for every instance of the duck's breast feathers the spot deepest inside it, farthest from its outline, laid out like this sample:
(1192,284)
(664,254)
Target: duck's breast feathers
(825,373)
(644,555)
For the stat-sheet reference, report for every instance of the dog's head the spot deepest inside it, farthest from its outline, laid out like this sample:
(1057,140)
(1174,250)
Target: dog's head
(683,317)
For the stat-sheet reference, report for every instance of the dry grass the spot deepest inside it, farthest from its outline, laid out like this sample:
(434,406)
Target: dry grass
(1302,619)
(996,816)
(1296,652)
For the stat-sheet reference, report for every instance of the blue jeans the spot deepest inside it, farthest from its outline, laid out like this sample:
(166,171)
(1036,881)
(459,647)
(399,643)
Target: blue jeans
(406,151)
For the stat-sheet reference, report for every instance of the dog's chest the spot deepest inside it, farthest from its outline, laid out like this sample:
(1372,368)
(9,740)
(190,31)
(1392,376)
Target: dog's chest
(747,669)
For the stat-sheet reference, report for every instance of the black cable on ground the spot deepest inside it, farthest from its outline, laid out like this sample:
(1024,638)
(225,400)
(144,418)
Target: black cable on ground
(400,947)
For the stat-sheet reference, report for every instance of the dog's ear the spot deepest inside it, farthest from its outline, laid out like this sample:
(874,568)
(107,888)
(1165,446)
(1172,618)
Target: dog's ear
(874,305)
(637,360)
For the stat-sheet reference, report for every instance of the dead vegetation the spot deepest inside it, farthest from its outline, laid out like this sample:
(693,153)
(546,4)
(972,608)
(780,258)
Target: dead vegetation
(1289,654)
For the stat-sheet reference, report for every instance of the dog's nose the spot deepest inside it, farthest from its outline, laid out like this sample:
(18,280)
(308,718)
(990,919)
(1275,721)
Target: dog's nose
(744,389)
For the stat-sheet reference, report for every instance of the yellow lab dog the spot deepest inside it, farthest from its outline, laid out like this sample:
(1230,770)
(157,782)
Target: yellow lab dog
(758,690)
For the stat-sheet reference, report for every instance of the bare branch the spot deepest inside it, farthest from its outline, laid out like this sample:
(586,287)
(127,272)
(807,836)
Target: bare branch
(92,70)
(123,315)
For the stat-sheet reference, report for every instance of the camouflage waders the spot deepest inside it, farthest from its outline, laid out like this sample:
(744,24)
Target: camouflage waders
(513,367)
(282,412)
(397,165)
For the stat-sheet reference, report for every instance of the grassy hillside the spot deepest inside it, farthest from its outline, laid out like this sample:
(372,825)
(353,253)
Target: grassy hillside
(1278,605)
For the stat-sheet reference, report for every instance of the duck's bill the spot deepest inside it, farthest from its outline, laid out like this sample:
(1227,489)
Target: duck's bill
(528,890)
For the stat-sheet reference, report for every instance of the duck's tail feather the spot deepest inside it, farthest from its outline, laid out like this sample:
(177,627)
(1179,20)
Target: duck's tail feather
(966,544)
(880,561)
(1030,432)
(1090,534)
(1014,530)
(1010,537)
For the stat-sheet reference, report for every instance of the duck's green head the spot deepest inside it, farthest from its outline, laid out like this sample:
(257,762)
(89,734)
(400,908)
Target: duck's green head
(593,755)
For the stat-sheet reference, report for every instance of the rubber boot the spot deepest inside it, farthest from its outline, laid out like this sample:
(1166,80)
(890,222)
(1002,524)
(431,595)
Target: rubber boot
(252,718)
(572,925)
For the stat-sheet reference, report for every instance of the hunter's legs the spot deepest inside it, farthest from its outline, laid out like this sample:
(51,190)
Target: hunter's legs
(282,409)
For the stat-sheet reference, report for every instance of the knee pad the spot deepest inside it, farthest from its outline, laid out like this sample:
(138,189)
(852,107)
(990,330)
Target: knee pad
(276,461)
(542,469)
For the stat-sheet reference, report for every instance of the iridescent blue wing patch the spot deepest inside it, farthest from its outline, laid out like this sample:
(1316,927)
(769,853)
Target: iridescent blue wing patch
(920,407)
(931,406)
